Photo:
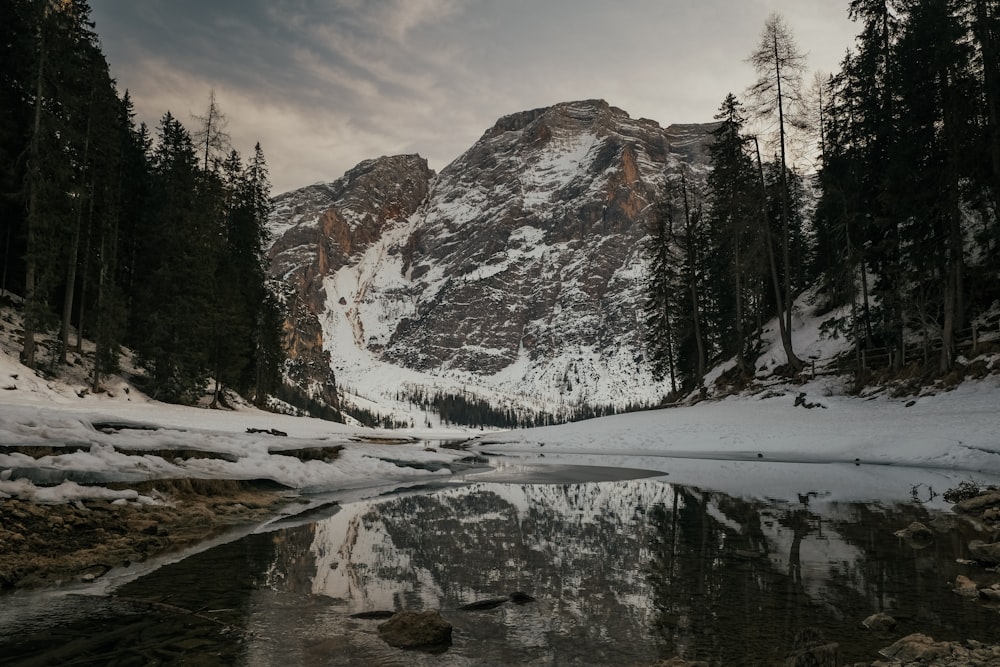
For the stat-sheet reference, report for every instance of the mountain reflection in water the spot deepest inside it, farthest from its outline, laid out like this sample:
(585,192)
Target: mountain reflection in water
(623,573)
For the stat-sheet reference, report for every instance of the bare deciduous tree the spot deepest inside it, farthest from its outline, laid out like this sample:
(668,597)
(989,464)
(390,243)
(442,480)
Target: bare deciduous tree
(211,138)
(780,66)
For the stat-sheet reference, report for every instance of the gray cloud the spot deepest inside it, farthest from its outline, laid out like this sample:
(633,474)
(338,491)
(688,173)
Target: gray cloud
(325,84)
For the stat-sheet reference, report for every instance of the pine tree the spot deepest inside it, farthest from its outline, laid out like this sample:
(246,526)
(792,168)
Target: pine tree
(839,219)
(736,246)
(19,33)
(678,330)
(986,32)
(62,32)
(267,352)
(870,98)
(174,271)
(96,154)
(123,187)
(935,94)
(660,286)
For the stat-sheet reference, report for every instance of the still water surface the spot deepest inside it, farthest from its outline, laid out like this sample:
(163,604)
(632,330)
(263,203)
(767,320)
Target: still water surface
(624,572)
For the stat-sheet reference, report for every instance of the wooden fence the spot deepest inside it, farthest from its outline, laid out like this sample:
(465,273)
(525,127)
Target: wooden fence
(969,342)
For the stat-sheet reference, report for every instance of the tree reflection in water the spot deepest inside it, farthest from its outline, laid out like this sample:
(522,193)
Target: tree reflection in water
(747,582)
(623,573)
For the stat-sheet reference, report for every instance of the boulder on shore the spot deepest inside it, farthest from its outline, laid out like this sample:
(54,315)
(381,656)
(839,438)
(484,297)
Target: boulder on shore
(917,648)
(988,553)
(978,504)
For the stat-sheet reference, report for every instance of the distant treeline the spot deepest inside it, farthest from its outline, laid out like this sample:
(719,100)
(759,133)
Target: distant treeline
(464,409)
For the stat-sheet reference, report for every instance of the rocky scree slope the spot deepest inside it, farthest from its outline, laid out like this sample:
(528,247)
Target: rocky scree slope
(516,274)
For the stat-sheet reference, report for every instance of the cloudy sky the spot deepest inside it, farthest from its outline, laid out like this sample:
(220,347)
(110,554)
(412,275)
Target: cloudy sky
(324,84)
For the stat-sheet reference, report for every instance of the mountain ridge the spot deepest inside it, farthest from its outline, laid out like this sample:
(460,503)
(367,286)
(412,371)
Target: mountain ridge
(515,273)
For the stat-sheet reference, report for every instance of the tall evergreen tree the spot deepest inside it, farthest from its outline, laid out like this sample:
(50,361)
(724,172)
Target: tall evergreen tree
(267,354)
(693,334)
(935,95)
(62,32)
(175,257)
(661,284)
(986,31)
(736,244)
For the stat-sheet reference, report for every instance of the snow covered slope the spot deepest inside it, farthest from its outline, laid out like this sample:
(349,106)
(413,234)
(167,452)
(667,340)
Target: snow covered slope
(517,277)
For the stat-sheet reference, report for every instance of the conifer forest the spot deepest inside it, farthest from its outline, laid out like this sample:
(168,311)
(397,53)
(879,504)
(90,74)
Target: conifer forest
(151,238)
(892,217)
(875,189)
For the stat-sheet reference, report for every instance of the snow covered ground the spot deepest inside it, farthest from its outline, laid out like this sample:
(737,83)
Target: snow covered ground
(36,411)
(758,445)
(843,448)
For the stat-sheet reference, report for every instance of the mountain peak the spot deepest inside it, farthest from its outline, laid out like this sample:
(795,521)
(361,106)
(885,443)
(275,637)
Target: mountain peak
(582,113)
(516,270)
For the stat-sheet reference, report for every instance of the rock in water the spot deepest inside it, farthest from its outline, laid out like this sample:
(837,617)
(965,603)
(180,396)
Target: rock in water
(966,587)
(988,553)
(992,593)
(880,623)
(978,503)
(483,605)
(917,535)
(374,615)
(423,631)
(520,597)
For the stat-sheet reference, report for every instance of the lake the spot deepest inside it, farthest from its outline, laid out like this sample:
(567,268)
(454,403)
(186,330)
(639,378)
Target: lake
(622,571)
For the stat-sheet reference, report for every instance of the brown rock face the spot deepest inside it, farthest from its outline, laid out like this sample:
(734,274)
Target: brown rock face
(537,229)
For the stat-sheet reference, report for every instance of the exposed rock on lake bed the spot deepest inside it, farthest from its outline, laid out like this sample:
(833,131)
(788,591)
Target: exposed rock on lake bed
(423,631)
(47,545)
(918,649)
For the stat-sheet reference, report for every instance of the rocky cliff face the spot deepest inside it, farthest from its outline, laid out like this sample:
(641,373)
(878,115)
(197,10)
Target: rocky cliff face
(319,229)
(515,273)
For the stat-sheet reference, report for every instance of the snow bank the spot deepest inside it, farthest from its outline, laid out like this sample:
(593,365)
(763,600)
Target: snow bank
(68,492)
(959,429)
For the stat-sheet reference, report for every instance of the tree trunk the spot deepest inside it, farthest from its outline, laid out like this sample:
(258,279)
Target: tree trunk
(693,260)
(67,312)
(948,327)
(954,297)
(784,329)
(741,363)
(34,178)
(83,282)
(74,248)
(6,258)
(100,343)
(785,215)
(991,85)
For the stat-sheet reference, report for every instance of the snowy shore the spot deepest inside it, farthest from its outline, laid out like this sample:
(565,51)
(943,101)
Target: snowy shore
(740,441)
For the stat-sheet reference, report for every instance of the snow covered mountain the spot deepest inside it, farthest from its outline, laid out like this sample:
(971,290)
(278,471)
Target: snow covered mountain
(515,275)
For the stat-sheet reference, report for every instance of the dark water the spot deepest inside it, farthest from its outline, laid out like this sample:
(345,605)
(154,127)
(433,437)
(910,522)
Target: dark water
(624,573)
